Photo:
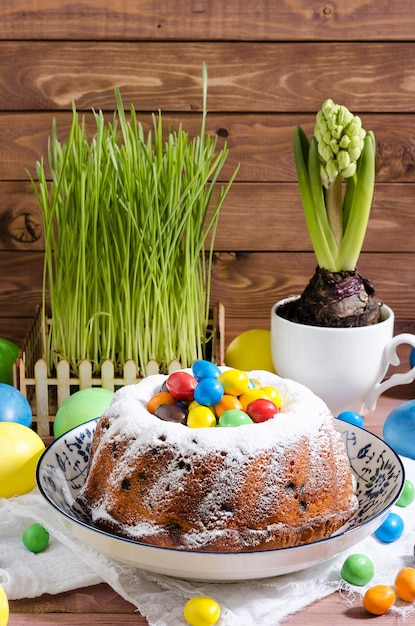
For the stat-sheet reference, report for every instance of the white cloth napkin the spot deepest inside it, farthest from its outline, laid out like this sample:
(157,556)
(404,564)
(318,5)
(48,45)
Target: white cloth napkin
(68,564)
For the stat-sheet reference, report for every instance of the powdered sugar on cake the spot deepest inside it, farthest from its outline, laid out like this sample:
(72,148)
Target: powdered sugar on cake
(251,487)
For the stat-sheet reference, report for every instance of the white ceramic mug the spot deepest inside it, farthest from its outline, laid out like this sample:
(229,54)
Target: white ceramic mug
(344,366)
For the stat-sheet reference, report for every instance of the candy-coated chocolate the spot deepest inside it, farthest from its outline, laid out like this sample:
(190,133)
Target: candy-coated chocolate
(273,394)
(205,369)
(261,410)
(379,599)
(201,611)
(181,385)
(163,397)
(35,538)
(234,417)
(171,413)
(352,418)
(227,402)
(235,382)
(391,529)
(208,391)
(201,417)
(250,395)
(407,495)
(405,584)
(357,569)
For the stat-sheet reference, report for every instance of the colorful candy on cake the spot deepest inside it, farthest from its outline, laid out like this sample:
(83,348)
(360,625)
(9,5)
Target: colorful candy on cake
(216,459)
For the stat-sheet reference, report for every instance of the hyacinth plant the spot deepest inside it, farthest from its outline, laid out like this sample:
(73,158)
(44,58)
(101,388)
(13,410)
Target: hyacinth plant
(127,215)
(336,176)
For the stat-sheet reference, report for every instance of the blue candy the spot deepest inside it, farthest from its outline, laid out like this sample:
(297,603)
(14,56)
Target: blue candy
(391,529)
(352,417)
(205,369)
(208,392)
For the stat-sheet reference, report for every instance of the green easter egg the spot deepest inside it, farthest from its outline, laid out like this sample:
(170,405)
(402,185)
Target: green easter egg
(8,355)
(80,407)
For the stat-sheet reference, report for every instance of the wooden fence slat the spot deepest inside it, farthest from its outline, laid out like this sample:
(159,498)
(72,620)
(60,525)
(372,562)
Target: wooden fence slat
(107,375)
(85,374)
(42,404)
(130,372)
(63,378)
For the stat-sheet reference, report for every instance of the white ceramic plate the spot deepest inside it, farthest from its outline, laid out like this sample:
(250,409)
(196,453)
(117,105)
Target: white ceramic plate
(379,473)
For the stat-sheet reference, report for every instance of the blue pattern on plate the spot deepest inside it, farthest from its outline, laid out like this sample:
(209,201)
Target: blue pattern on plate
(378,471)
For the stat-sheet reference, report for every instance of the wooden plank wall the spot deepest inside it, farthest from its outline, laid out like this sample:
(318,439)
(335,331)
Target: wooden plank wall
(271,63)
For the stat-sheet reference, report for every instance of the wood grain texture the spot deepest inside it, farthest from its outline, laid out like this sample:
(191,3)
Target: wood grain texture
(208,20)
(263,217)
(247,283)
(261,143)
(270,66)
(243,76)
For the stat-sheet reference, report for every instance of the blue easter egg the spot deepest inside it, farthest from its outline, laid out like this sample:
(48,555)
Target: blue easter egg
(352,417)
(391,529)
(412,358)
(13,406)
(399,429)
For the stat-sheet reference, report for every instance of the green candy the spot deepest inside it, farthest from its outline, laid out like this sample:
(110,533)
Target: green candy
(408,494)
(357,569)
(234,417)
(35,538)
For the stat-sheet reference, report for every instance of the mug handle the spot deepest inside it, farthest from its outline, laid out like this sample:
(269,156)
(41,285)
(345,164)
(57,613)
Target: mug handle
(390,357)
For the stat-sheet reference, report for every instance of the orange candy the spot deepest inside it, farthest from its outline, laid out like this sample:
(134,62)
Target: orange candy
(405,584)
(378,599)
(227,403)
(164,397)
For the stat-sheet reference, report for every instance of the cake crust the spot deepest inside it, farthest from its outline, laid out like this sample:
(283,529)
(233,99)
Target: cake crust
(277,484)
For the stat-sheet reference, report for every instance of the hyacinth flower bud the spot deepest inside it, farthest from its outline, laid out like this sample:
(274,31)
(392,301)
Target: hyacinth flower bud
(340,139)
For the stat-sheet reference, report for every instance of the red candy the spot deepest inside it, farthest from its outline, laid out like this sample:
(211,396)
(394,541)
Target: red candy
(181,386)
(261,410)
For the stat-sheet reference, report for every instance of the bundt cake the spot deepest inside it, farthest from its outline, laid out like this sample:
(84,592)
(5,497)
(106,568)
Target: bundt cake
(277,483)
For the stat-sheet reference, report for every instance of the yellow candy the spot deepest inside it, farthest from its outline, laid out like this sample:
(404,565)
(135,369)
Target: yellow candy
(201,417)
(273,394)
(4,608)
(201,611)
(235,382)
(193,405)
(250,395)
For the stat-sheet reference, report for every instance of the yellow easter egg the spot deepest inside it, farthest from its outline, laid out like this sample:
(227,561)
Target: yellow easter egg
(20,450)
(251,350)
(4,608)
